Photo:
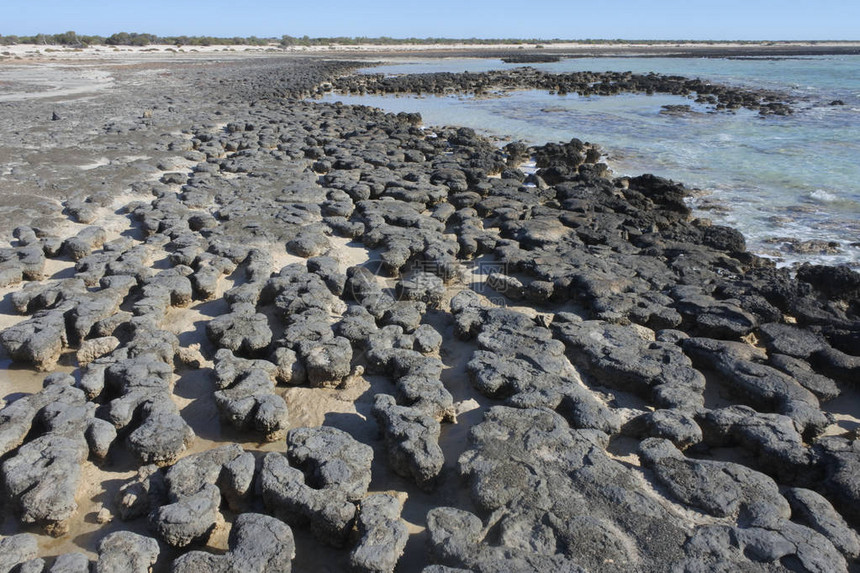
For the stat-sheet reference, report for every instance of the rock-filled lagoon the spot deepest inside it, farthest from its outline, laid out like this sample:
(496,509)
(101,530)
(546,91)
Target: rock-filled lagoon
(791,183)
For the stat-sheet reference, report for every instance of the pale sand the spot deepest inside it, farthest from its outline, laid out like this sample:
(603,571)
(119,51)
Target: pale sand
(99,483)
(348,409)
(174,53)
(49,80)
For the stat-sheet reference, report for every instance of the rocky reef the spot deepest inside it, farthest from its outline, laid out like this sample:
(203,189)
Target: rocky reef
(714,95)
(297,335)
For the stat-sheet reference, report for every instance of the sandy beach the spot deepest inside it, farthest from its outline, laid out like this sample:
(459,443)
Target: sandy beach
(155,52)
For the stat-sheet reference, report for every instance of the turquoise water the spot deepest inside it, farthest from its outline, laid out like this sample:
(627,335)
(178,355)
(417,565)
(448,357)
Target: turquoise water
(795,177)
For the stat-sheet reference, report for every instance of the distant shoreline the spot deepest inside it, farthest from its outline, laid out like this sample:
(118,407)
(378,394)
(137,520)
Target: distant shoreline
(30,52)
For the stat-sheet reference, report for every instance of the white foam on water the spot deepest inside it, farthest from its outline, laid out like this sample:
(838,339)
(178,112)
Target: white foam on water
(101,162)
(823,196)
(529,167)
(800,168)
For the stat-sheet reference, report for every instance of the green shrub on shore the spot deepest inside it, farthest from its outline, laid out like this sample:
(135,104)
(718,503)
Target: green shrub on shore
(73,39)
(65,39)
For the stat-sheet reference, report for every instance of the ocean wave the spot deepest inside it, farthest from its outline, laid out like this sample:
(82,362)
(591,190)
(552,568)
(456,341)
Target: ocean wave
(823,196)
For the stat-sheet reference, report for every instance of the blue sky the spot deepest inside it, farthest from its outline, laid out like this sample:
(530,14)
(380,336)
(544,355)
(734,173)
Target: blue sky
(570,19)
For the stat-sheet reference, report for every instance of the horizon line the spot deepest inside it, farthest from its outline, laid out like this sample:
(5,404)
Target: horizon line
(389,39)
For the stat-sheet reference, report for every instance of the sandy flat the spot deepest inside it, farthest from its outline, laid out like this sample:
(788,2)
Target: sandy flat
(18,52)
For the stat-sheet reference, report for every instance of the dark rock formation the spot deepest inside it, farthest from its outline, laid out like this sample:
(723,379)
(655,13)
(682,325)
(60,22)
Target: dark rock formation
(338,474)
(382,535)
(126,551)
(258,543)
(636,330)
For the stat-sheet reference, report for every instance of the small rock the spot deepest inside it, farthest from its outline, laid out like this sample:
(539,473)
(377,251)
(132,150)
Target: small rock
(327,362)
(382,535)
(104,516)
(96,348)
(71,563)
(15,550)
(126,551)
(190,519)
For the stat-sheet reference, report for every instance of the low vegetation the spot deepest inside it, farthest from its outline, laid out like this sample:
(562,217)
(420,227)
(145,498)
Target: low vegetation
(72,39)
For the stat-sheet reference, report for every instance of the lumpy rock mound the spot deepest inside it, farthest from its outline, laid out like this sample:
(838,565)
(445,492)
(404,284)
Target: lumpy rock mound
(269,334)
